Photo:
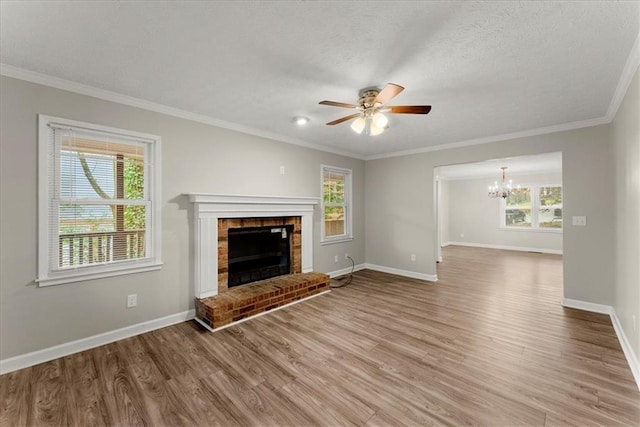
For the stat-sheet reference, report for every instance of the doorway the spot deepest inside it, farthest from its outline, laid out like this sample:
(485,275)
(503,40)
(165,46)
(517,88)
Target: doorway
(475,207)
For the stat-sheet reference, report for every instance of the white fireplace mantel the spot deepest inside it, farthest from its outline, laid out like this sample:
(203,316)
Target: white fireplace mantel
(208,208)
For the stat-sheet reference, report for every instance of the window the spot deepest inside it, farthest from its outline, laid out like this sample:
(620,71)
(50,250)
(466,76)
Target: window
(98,201)
(518,208)
(336,204)
(533,207)
(550,207)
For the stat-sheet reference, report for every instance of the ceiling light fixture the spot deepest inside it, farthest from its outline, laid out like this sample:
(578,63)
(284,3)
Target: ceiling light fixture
(380,120)
(371,104)
(505,189)
(301,121)
(372,125)
(358,125)
(374,129)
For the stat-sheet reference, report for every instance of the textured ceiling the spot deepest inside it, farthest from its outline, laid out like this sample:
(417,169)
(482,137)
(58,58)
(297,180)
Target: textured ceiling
(487,68)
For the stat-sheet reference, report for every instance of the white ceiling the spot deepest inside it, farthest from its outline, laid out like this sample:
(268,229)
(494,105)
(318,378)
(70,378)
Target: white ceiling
(516,166)
(487,68)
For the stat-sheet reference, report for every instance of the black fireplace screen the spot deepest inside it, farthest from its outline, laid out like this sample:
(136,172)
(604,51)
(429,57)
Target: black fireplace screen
(257,253)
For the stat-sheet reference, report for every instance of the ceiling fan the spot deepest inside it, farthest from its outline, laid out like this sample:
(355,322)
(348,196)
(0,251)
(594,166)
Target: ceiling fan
(372,106)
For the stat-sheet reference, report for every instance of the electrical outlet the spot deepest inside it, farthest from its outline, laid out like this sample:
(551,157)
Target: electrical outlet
(281,170)
(132,300)
(346,256)
(335,258)
(413,257)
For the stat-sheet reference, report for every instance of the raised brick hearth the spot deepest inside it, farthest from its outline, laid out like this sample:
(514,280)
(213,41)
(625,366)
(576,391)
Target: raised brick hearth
(258,297)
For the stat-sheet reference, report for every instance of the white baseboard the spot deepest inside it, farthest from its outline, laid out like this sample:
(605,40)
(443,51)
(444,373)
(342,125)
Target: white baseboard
(344,271)
(506,247)
(587,306)
(405,273)
(260,314)
(40,356)
(629,354)
(627,349)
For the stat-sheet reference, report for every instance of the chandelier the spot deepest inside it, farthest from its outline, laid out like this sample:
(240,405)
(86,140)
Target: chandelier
(505,189)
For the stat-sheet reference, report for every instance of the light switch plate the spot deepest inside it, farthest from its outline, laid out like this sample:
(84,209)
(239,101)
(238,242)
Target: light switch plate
(580,221)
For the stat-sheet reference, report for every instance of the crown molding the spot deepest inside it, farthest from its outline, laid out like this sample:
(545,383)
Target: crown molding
(629,70)
(631,65)
(82,89)
(496,138)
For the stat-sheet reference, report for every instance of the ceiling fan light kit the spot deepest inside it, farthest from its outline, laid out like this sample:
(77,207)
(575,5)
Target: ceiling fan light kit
(372,106)
(374,126)
(358,125)
(380,120)
(375,130)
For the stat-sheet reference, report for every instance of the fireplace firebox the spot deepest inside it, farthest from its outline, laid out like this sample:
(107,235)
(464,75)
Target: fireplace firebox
(258,253)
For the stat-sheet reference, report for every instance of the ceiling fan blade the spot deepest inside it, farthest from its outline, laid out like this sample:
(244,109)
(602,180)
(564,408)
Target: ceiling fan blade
(338,104)
(410,109)
(343,119)
(387,93)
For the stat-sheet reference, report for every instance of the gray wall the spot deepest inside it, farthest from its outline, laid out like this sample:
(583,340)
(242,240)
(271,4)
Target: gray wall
(397,194)
(626,149)
(443,212)
(400,206)
(476,216)
(195,158)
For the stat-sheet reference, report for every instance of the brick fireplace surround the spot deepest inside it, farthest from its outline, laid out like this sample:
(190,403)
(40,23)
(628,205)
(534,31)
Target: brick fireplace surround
(216,304)
(225,224)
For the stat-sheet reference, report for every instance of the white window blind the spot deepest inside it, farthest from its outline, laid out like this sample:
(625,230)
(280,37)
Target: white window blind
(100,212)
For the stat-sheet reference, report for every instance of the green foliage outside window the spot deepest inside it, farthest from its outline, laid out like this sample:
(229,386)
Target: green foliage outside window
(333,195)
(133,182)
(550,210)
(134,216)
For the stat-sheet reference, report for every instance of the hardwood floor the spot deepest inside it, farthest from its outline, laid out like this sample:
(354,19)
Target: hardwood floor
(489,344)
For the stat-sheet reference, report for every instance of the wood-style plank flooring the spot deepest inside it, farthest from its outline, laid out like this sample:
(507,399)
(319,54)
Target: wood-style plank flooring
(489,344)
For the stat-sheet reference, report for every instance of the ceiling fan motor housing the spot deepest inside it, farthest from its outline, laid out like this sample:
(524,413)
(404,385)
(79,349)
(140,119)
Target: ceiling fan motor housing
(367,96)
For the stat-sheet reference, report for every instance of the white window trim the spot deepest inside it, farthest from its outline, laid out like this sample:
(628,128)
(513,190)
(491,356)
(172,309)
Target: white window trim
(46,275)
(535,204)
(348,235)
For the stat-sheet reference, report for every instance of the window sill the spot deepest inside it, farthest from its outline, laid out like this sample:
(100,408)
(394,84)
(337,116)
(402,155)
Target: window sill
(339,240)
(533,230)
(78,276)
